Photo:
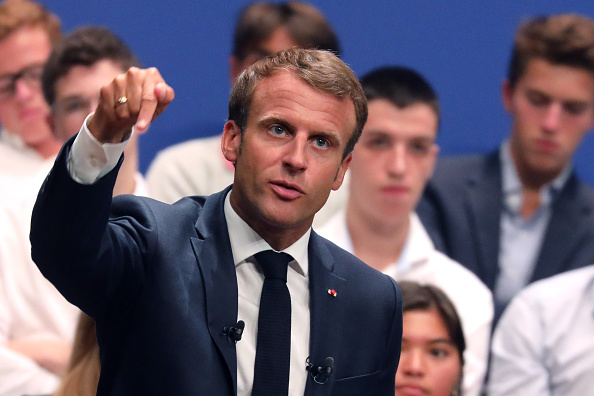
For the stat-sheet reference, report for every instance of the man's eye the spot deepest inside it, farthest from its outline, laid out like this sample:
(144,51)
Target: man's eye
(321,142)
(575,108)
(74,106)
(538,100)
(277,130)
(420,148)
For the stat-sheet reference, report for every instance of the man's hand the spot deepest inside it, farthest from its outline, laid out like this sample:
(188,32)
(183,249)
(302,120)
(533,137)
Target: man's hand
(51,355)
(136,97)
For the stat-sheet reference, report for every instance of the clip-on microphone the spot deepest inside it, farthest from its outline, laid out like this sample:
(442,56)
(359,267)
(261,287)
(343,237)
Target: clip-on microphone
(234,333)
(320,374)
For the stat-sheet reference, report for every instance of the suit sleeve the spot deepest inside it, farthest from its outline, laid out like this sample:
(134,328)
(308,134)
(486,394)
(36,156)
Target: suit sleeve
(93,262)
(393,346)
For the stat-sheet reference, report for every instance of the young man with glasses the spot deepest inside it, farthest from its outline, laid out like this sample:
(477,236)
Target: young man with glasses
(27,34)
(36,322)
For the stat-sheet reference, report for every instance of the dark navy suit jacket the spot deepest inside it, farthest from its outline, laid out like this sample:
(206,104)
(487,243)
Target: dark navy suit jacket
(461,209)
(160,282)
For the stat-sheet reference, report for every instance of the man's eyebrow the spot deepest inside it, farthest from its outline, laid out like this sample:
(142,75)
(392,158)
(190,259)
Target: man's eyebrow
(273,119)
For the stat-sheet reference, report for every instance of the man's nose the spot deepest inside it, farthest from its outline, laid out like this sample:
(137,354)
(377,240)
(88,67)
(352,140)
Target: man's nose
(552,118)
(296,156)
(396,161)
(23,90)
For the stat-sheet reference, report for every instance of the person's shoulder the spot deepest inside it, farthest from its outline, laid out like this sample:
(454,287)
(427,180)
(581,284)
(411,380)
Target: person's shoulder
(561,286)
(456,166)
(585,192)
(187,208)
(457,277)
(191,146)
(348,266)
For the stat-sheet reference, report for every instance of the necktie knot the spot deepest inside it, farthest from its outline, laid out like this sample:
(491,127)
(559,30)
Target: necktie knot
(274,264)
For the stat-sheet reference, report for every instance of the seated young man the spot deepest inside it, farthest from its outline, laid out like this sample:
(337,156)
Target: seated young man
(390,166)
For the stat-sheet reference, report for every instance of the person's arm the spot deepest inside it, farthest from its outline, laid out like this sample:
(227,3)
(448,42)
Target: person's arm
(477,336)
(20,374)
(518,365)
(71,242)
(386,384)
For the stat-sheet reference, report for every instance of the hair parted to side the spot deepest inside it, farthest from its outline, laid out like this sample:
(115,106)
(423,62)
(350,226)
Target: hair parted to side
(321,70)
(400,86)
(15,14)
(565,39)
(306,25)
(84,47)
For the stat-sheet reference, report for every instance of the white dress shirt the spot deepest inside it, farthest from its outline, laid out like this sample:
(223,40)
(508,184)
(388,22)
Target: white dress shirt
(544,342)
(89,160)
(30,306)
(420,262)
(18,165)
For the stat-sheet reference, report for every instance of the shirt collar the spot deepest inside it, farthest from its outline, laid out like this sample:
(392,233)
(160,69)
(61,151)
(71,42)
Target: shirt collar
(245,242)
(512,187)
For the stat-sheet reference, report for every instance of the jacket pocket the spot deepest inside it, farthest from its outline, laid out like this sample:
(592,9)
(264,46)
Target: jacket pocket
(360,385)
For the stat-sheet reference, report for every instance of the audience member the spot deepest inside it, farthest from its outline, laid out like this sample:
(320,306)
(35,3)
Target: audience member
(544,342)
(197,167)
(27,34)
(433,343)
(391,164)
(520,213)
(38,322)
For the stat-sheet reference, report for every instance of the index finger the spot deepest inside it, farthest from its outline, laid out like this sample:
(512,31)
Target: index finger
(148,106)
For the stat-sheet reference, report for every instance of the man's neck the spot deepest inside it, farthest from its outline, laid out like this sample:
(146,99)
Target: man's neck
(375,241)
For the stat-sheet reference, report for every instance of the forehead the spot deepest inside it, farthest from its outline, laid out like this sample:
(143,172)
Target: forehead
(416,120)
(280,39)
(564,82)
(26,46)
(286,96)
(87,80)
(423,325)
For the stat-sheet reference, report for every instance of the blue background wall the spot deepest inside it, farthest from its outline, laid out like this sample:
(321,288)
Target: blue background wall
(462,47)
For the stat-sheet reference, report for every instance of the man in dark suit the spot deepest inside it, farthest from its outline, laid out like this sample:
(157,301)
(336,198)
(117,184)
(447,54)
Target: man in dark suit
(520,213)
(166,284)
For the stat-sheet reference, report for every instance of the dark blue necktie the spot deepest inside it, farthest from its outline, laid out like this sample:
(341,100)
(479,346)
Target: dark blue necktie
(273,348)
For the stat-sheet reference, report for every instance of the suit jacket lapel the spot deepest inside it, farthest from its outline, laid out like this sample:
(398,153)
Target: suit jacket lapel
(563,231)
(326,311)
(215,259)
(485,203)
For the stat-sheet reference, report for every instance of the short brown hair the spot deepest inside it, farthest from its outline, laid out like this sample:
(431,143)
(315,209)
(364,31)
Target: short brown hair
(321,70)
(565,39)
(305,23)
(85,46)
(15,14)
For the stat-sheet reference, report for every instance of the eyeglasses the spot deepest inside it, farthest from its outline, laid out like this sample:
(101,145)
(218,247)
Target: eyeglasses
(30,74)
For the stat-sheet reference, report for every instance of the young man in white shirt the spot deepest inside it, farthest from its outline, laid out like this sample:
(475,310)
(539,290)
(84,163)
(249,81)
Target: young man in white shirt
(37,324)
(391,165)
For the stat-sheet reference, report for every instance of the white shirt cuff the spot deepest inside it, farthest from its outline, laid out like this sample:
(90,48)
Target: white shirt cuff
(89,160)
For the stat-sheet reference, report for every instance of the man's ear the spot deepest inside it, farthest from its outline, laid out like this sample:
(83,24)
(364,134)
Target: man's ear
(344,166)
(507,94)
(231,141)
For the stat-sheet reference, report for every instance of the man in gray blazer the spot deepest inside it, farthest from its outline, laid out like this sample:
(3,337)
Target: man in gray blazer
(520,213)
